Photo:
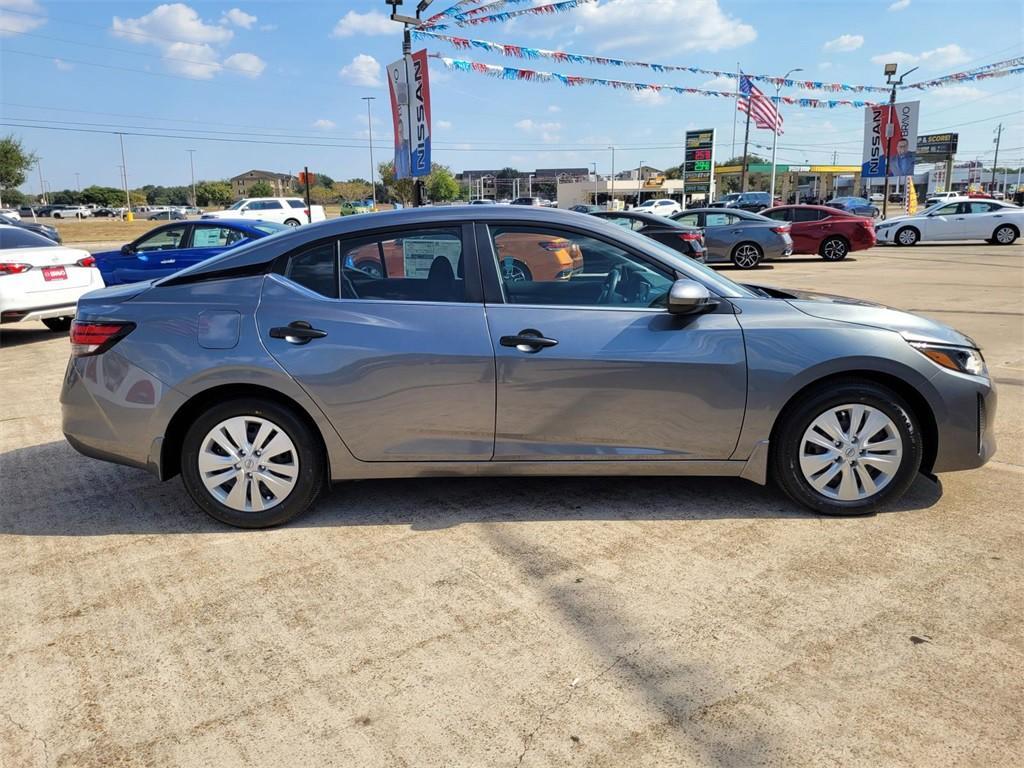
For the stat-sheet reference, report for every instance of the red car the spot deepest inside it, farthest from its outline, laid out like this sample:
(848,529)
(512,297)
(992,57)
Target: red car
(828,232)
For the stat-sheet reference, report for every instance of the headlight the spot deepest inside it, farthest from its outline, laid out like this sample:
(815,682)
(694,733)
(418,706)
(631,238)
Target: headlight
(959,359)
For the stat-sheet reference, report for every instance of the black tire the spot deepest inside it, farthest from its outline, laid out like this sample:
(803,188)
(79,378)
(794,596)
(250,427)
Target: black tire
(907,236)
(311,461)
(834,248)
(1005,234)
(292,222)
(795,420)
(58,323)
(742,254)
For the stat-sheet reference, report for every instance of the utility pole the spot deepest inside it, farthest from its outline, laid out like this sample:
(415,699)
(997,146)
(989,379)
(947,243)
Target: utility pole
(192,171)
(42,187)
(995,160)
(124,170)
(369,128)
(611,199)
(746,141)
(595,182)
(736,103)
(890,128)
(775,132)
(639,180)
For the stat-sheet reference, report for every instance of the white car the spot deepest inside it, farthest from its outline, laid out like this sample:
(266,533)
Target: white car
(939,197)
(72,212)
(10,213)
(282,210)
(659,207)
(964,218)
(42,281)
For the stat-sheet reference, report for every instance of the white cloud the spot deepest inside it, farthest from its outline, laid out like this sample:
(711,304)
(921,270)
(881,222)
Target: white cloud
(268,27)
(825,65)
(62,65)
(720,84)
(173,22)
(239,18)
(187,42)
(245,64)
(899,5)
(324,124)
(444,124)
(844,43)
(548,132)
(364,70)
(937,58)
(370,23)
(642,24)
(649,98)
(554,109)
(17,23)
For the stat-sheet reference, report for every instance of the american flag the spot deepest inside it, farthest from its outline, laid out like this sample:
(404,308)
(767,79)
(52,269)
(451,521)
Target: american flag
(762,110)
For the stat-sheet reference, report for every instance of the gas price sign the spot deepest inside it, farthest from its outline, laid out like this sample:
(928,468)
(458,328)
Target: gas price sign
(699,161)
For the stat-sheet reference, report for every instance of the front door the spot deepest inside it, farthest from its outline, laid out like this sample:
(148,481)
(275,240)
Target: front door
(591,366)
(398,356)
(947,223)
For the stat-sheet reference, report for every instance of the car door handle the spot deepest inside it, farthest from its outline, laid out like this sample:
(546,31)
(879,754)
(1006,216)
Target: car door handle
(297,332)
(167,261)
(527,340)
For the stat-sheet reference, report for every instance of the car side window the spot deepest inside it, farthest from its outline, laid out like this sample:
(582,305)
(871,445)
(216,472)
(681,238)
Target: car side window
(418,265)
(316,268)
(297,203)
(780,215)
(981,208)
(948,210)
(209,236)
(627,223)
(718,219)
(164,240)
(265,205)
(689,219)
(552,267)
(806,214)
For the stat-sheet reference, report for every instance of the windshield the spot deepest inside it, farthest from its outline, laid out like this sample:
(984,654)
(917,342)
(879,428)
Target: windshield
(237,205)
(269,228)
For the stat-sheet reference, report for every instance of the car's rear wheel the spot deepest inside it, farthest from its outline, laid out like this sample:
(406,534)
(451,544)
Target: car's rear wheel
(907,236)
(516,272)
(292,222)
(747,255)
(58,323)
(834,249)
(1005,235)
(845,449)
(252,463)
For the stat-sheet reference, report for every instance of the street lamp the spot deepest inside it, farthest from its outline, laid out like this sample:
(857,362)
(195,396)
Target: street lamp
(192,171)
(369,127)
(595,182)
(775,133)
(611,197)
(639,180)
(890,73)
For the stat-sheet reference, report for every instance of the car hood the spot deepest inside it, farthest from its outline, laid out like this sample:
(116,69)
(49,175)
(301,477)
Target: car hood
(856,311)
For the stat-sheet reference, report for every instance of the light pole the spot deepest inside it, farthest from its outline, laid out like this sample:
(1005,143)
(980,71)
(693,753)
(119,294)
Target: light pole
(595,182)
(611,198)
(890,73)
(775,133)
(529,185)
(42,187)
(124,170)
(369,128)
(192,171)
(639,180)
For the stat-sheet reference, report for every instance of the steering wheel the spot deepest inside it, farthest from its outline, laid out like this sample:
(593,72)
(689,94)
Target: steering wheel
(611,284)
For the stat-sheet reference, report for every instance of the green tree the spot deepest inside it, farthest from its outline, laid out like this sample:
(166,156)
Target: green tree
(105,196)
(213,193)
(353,189)
(323,180)
(395,189)
(442,186)
(261,189)
(15,162)
(752,159)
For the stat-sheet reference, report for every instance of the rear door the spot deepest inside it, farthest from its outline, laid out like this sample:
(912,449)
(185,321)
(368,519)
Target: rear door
(980,219)
(398,357)
(210,239)
(594,367)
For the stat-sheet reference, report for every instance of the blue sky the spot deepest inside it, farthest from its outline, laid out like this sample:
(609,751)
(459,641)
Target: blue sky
(245,72)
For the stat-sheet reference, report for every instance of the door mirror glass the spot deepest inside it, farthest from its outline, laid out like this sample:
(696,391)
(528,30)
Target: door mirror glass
(688,297)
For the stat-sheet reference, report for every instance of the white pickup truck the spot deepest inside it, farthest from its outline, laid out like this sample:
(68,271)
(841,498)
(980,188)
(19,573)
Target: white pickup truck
(282,210)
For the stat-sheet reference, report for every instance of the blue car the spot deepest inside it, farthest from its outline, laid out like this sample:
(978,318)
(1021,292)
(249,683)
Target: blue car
(858,206)
(167,249)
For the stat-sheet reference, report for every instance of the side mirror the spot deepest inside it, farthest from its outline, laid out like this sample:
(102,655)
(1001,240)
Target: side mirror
(127,249)
(688,297)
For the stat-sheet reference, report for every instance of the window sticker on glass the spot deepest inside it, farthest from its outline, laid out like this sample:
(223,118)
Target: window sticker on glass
(418,255)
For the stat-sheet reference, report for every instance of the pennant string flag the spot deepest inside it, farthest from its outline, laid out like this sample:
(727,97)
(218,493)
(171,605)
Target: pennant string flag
(999,69)
(526,52)
(513,73)
(463,19)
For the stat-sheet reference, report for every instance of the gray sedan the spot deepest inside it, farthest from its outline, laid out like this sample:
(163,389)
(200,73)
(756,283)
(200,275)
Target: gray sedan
(262,374)
(737,236)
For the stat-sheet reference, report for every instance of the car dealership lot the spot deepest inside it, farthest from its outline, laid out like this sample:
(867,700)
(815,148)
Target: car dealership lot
(610,621)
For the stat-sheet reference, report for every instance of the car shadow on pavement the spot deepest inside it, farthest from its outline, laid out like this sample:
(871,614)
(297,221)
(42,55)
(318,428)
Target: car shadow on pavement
(84,497)
(15,337)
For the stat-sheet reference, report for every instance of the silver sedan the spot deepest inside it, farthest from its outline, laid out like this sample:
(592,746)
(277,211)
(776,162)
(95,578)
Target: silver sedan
(738,237)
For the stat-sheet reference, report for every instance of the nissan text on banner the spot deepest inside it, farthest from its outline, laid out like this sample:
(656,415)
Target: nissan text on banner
(409,85)
(879,142)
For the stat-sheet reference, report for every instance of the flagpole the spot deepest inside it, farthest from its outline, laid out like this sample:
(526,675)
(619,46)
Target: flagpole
(746,141)
(736,104)
(775,133)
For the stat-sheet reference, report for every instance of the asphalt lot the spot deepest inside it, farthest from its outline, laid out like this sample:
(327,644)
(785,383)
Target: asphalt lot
(506,622)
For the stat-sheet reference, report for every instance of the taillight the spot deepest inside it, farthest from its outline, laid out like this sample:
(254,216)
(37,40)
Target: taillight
(554,245)
(781,230)
(88,261)
(96,338)
(13,268)
(691,237)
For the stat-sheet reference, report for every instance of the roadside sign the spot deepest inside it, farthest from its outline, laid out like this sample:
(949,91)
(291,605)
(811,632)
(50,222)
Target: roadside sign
(890,128)
(699,161)
(409,87)
(937,146)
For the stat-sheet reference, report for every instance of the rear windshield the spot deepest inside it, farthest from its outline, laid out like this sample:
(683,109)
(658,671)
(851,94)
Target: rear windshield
(15,237)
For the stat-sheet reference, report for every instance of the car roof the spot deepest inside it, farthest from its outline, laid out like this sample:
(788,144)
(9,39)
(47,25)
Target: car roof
(826,208)
(650,218)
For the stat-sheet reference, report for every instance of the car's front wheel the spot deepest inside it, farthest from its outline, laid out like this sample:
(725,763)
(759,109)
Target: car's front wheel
(845,449)
(834,249)
(252,463)
(907,236)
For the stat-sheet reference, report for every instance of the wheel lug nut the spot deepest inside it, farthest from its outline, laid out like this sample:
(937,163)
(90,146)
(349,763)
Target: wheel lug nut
(262,468)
